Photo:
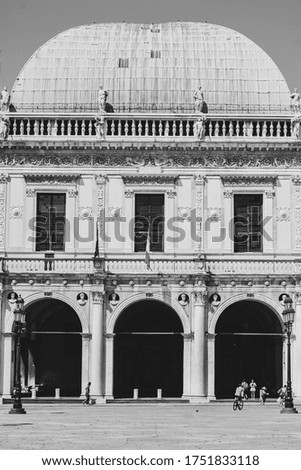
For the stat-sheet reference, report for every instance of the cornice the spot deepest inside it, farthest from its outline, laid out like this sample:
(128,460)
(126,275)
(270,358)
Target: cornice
(46,178)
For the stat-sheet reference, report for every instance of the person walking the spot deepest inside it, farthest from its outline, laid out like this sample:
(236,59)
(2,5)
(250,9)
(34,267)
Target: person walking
(87,400)
(253,387)
(263,393)
(281,395)
(245,386)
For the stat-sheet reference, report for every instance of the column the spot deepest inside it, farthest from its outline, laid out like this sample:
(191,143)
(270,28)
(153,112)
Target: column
(296,350)
(198,371)
(211,365)
(97,345)
(86,339)
(228,221)
(109,365)
(187,348)
(268,226)
(7,363)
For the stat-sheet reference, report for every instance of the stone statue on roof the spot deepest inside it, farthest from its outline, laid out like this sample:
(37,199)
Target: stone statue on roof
(4,126)
(200,128)
(295,129)
(102,98)
(100,127)
(200,106)
(4,99)
(296,101)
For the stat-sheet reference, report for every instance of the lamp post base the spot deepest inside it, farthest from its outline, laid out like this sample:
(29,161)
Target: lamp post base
(18,411)
(289,410)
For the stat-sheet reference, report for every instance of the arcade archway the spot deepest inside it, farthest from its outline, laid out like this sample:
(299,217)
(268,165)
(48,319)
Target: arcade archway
(148,351)
(52,352)
(248,345)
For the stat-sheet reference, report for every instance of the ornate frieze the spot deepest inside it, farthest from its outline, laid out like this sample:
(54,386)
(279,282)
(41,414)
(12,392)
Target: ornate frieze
(228,158)
(149,180)
(238,180)
(51,179)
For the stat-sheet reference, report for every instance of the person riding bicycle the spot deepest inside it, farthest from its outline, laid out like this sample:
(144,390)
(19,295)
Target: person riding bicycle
(239,393)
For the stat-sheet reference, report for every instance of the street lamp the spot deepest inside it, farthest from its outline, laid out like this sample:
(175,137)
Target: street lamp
(288,318)
(19,330)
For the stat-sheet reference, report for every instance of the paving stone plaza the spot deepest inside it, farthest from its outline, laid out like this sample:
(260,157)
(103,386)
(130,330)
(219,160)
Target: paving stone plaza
(150,427)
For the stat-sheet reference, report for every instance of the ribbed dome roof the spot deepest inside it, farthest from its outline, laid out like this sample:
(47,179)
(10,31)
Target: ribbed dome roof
(150,67)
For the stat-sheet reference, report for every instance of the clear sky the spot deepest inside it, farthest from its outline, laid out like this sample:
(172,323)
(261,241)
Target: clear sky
(275,25)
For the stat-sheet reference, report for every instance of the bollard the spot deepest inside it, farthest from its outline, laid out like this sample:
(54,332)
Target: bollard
(135,393)
(33,393)
(159,393)
(57,393)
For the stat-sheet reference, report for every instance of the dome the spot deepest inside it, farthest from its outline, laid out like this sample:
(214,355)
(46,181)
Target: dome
(150,67)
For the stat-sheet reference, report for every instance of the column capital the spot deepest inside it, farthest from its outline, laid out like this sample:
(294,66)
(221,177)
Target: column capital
(188,336)
(8,335)
(97,297)
(109,335)
(101,179)
(298,298)
(200,297)
(87,336)
(228,193)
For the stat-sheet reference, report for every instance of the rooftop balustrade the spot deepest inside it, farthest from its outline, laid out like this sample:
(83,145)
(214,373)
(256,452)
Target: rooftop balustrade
(160,264)
(151,127)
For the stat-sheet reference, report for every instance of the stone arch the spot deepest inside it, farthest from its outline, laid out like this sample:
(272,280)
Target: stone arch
(141,296)
(277,309)
(35,297)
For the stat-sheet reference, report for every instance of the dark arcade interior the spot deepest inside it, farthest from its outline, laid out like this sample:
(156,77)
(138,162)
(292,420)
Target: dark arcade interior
(55,344)
(248,345)
(148,351)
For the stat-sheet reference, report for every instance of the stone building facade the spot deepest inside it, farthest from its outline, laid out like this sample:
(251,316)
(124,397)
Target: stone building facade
(153,244)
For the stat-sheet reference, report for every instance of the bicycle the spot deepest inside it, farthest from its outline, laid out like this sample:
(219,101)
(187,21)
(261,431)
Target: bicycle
(238,403)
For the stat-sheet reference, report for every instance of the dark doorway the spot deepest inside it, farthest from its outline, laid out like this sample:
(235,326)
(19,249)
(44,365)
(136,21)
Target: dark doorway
(148,351)
(53,347)
(248,345)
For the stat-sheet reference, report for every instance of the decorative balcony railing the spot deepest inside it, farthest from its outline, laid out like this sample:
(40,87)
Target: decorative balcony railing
(149,127)
(164,264)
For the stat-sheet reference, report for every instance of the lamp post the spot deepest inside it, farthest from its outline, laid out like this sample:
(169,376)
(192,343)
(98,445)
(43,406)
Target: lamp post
(19,330)
(288,318)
